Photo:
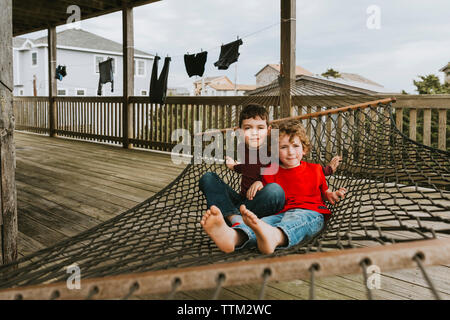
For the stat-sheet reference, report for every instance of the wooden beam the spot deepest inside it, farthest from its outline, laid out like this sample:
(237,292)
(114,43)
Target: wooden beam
(128,74)
(287,53)
(89,9)
(8,198)
(52,85)
(284,268)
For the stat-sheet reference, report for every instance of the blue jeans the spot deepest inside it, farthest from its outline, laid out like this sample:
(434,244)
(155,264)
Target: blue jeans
(296,224)
(267,201)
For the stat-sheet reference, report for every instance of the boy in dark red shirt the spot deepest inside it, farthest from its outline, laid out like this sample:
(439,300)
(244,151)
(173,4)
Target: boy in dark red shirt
(254,124)
(303,213)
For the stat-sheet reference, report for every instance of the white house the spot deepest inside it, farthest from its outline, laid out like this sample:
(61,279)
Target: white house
(220,86)
(80,51)
(446,71)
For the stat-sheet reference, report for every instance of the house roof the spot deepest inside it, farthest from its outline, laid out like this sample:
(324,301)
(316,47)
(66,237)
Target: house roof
(353,77)
(209,79)
(78,38)
(230,86)
(318,85)
(298,70)
(18,42)
(35,15)
(446,67)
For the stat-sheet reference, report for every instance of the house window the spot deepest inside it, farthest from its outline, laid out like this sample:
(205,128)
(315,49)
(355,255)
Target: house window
(143,92)
(98,59)
(80,92)
(62,92)
(139,67)
(21,92)
(34,59)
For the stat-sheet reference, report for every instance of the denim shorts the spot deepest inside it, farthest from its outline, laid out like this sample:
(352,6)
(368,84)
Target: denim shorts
(296,224)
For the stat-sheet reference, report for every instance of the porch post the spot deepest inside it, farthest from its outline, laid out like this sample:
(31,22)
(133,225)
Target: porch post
(8,197)
(52,86)
(287,53)
(128,75)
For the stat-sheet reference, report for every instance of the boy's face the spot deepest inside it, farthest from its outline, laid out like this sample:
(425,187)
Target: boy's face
(255,131)
(290,152)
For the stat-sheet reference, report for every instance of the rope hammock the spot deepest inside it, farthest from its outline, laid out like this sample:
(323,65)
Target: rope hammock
(398,191)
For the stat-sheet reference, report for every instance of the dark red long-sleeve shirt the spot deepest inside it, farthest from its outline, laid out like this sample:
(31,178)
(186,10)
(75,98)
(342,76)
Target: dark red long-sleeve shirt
(251,172)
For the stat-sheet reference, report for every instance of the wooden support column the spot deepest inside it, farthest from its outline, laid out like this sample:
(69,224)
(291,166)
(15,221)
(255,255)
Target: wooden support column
(52,85)
(128,75)
(8,198)
(287,67)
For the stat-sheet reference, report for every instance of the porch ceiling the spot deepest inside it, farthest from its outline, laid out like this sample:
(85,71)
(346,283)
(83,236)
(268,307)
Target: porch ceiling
(35,15)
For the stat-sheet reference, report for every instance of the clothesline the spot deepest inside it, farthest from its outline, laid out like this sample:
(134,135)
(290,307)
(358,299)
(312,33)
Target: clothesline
(155,52)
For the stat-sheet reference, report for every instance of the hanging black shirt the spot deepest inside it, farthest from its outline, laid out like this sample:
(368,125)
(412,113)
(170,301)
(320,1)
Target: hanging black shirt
(106,75)
(158,86)
(195,63)
(229,54)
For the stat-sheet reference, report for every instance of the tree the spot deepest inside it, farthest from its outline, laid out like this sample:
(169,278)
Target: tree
(431,84)
(331,73)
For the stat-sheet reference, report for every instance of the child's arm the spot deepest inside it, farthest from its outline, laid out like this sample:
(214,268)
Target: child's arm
(332,166)
(231,163)
(254,188)
(335,196)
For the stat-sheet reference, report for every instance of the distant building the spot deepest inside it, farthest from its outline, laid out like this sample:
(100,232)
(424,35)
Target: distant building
(446,71)
(220,86)
(178,91)
(80,51)
(308,83)
(271,72)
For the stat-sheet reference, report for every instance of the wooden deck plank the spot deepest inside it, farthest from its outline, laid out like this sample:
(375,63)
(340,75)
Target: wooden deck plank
(59,211)
(145,175)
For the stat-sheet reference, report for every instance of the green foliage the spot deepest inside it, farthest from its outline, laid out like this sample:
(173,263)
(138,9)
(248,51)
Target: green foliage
(331,73)
(431,84)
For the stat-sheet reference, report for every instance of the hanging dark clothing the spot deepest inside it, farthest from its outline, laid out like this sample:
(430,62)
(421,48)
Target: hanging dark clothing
(60,72)
(158,86)
(229,54)
(195,63)
(106,75)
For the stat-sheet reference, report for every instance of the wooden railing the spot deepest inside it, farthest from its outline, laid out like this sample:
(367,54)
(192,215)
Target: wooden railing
(425,119)
(100,119)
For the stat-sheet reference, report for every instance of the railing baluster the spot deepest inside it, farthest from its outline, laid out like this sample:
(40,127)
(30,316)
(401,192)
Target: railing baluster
(442,136)
(427,127)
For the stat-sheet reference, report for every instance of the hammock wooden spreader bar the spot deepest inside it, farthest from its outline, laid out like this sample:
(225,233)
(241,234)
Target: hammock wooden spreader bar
(291,267)
(363,105)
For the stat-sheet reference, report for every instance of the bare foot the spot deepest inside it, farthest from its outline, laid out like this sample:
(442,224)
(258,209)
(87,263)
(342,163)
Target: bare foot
(267,237)
(215,226)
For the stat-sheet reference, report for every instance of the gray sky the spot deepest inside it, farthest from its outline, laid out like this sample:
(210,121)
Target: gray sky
(413,38)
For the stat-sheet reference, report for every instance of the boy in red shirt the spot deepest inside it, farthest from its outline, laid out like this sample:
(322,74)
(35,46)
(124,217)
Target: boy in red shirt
(303,213)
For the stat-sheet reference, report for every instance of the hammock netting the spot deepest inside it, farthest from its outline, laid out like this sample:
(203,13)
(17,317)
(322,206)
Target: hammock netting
(398,190)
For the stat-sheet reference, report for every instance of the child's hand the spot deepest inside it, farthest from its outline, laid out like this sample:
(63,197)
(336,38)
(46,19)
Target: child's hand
(335,162)
(336,196)
(254,188)
(230,163)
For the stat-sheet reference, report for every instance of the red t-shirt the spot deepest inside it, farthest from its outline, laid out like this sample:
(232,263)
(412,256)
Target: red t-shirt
(303,186)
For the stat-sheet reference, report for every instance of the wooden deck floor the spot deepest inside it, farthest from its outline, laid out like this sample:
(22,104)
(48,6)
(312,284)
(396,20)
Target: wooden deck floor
(65,187)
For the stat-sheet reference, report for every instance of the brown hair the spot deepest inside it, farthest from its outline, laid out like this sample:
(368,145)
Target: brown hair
(294,128)
(253,110)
